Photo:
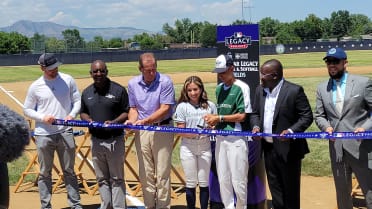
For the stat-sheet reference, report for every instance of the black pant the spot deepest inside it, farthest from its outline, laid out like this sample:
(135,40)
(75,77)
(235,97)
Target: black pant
(4,186)
(284,180)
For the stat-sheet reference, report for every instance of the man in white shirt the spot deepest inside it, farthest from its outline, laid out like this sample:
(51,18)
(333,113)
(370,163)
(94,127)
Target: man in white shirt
(54,96)
(281,107)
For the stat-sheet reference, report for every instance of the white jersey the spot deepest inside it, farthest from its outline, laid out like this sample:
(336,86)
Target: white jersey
(195,155)
(58,97)
(191,115)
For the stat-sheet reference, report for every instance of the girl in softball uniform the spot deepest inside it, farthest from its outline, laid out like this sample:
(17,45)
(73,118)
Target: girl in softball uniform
(195,150)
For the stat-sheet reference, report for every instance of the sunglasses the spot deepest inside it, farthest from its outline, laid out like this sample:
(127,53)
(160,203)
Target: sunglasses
(333,61)
(99,70)
(267,75)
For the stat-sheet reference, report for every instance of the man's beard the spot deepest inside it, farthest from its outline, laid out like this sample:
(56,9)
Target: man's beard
(338,75)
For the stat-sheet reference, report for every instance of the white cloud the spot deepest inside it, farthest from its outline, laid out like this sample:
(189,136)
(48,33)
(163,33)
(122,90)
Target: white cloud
(144,14)
(65,19)
(59,17)
(222,13)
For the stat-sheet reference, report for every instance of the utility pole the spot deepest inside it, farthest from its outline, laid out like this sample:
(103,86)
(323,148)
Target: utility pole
(192,38)
(250,10)
(242,9)
(249,6)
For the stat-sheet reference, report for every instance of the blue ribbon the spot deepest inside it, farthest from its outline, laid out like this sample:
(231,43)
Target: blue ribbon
(314,135)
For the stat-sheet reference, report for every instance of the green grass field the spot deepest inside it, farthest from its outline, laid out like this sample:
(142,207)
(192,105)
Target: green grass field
(302,60)
(316,163)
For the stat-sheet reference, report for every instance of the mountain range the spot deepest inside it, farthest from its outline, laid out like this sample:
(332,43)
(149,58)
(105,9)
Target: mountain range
(50,29)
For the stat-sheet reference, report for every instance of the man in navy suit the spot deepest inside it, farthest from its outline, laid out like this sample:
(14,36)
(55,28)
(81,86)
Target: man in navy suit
(281,107)
(350,111)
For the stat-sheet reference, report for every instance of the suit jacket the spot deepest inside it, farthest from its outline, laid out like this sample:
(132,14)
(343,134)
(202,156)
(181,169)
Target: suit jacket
(292,111)
(355,113)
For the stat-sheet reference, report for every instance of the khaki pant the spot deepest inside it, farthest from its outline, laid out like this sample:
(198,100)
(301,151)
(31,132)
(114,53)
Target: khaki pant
(154,152)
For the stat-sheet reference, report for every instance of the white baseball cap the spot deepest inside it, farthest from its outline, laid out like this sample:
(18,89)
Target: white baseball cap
(223,62)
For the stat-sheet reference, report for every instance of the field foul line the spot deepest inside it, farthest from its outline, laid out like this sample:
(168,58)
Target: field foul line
(11,96)
(135,201)
(20,104)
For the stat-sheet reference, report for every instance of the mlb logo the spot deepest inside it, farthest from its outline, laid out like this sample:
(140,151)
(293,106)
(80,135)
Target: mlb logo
(239,34)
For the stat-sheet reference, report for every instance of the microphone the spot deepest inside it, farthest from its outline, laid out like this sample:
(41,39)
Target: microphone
(14,134)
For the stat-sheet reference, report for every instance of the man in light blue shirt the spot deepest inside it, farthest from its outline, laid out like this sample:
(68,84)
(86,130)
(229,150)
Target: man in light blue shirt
(346,108)
(151,100)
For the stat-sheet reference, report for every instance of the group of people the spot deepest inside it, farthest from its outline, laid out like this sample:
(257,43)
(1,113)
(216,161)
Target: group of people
(149,100)
(279,107)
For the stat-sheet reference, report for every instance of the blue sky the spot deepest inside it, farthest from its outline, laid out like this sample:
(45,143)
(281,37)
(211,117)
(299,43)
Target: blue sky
(152,14)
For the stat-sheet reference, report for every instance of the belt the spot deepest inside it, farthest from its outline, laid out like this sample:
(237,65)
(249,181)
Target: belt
(106,135)
(163,122)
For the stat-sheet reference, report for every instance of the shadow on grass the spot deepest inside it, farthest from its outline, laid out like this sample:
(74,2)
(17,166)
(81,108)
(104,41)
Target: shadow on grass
(93,206)
(178,207)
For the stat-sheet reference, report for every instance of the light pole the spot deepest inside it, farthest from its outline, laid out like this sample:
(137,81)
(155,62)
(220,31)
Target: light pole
(192,38)
(250,9)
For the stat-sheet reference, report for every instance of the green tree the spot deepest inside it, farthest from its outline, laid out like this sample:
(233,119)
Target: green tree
(240,22)
(340,23)
(97,44)
(4,43)
(326,28)
(269,27)
(195,32)
(359,24)
(162,40)
(170,32)
(13,43)
(148,41)
(115,43)
(181,31)
(286,34)
(312,28)
(73,40)
(38,43)
(20,43)
(183,28)
(368,28)
(54,45)
(208,35)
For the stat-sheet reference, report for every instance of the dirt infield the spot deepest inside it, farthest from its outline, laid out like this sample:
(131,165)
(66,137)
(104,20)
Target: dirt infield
(316,192)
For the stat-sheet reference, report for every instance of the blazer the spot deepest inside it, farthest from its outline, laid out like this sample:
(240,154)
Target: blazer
(356,112)
(292,111)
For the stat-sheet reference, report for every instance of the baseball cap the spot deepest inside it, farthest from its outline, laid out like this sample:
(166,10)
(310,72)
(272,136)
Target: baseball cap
(337,53)
(223,62)
(49,61)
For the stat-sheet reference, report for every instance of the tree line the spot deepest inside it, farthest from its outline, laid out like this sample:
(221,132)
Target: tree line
(184,31)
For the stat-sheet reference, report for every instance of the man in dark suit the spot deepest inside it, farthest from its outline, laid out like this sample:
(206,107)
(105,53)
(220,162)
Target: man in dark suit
(281,107)
(344,103)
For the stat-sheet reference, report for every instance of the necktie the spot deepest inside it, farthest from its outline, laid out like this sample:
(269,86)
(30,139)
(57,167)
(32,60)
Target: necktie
(339,104)
(339,97)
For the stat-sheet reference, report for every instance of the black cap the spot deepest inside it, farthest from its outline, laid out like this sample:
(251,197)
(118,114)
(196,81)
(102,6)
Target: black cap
(49,61)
